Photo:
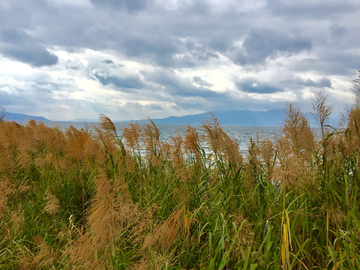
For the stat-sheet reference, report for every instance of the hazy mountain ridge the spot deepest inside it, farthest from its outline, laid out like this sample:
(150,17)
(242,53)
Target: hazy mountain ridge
(227,118)
(24,117)
(270,118)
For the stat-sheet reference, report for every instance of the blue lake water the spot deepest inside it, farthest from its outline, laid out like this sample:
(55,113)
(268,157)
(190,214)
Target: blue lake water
(241,133)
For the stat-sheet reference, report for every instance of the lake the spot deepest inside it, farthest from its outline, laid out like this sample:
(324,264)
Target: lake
(241,133)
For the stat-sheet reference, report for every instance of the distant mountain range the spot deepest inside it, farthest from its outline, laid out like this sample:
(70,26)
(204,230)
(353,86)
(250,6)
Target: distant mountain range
(226,118)
(24,117)
(270,118)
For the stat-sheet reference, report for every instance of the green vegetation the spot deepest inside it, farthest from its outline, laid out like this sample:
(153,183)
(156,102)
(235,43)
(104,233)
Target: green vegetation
(88,200)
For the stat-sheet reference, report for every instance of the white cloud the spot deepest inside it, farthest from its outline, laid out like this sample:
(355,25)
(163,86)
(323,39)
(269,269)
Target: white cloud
(133,59)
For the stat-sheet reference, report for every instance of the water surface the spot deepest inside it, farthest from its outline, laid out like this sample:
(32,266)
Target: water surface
(241,133)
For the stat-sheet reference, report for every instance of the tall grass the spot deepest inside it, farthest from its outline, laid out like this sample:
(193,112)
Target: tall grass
(89,200)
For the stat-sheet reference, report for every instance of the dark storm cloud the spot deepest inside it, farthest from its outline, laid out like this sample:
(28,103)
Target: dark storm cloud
(182,92)
(200,81)
(108,61)
(18,45)
(154,34)
(165,51)
(130,5)
(226,101)
(153,107)
(220,43)
(155,38)
(330,62)
(157,48)
(198,8)
(251,85)
(264,43)
(10,99)
(315,10)
(337,31)
(200,52)
(29,95)
(172,84)
(140,107)
(36,93)
(74,67)
(298,83)
(323,82)
(126,84)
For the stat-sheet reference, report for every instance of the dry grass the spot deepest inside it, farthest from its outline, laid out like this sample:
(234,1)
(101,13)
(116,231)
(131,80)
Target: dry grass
(80,199)
(132,136)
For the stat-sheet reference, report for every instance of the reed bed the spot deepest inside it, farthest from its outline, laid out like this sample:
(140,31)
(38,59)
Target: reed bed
(89,200)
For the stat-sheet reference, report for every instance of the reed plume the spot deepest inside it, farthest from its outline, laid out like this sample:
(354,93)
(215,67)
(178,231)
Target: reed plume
(231,150)
(9,144)
(107,139)
(267,152)
(6,190)
(46,256)
(106,124)
(321,110)
(254,152)
(23,159)
(151,139)
(176,142)
(52,204)
(91,249)
(132,136)
(212,133)
(192,142)
(165,234)
(93,151)
(103,216)
(223,147)
(297,130)
(290,171)
(165,151)
(111,212)
(17,220)
(352,134)
(75,141)
(356,89)
(81,252)
(354,123)
(294,149)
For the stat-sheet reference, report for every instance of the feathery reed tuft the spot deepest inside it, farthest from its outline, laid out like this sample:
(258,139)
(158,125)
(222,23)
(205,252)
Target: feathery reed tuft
(192,142)
(52,204)
(151,139)
(132,136)
(321,110)
(106,124)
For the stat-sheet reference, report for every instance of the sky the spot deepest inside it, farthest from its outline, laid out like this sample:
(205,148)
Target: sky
(132,59)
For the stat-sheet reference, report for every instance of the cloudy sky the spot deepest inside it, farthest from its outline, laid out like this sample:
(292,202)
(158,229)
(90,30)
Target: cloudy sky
(130,59)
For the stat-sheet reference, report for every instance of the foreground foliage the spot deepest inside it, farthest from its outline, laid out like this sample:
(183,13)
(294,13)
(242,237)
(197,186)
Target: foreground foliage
(89,200)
